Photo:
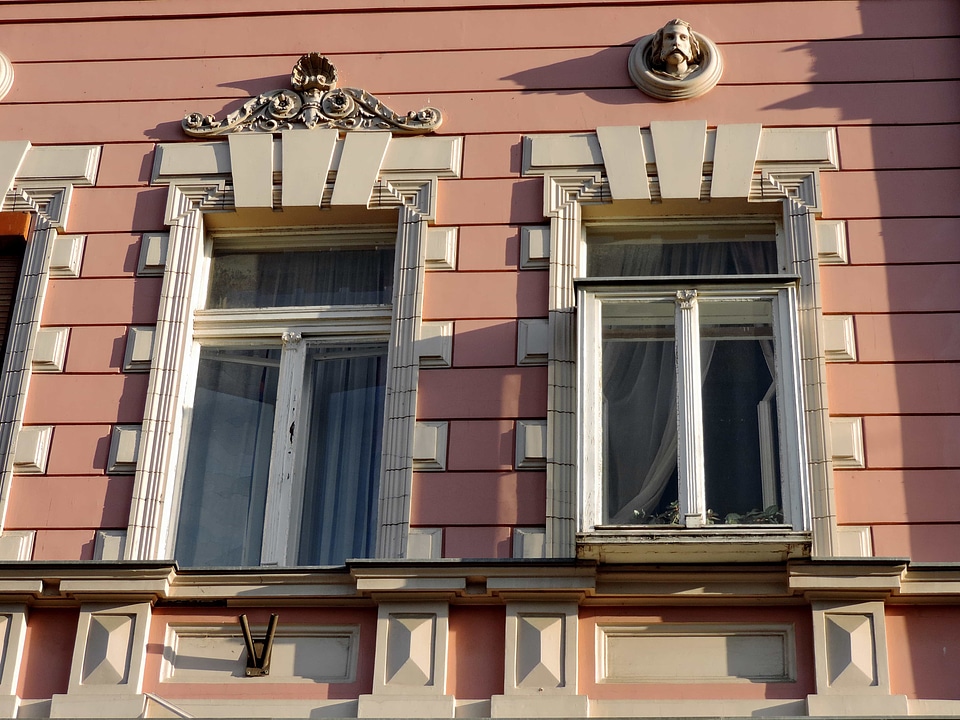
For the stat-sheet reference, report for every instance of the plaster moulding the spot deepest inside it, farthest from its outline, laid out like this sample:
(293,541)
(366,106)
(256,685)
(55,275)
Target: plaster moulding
(675,63)
(314,102)
(6,75)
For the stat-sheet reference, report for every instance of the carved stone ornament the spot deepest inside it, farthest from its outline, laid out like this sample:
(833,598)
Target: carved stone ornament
(675,63)
(314,102)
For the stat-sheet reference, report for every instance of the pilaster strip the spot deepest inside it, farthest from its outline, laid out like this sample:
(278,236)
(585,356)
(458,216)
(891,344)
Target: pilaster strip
(690,411)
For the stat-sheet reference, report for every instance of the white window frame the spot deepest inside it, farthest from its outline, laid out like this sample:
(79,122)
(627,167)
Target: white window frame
(687,294)
(294,330)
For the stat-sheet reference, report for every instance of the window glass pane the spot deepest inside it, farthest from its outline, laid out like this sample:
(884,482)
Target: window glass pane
(691,249)
(738,364)
(335,276)
(639,413)
(228,458)
(346,390)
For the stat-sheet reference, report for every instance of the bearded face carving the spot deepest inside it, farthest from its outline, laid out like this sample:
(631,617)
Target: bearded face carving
(675,50)
(675,63)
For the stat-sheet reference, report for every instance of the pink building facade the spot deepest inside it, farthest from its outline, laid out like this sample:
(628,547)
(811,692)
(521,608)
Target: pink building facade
(517,369)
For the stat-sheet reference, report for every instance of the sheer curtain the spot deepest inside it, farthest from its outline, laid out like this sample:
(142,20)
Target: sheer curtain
(228,458)
(639,376)
(343,463)
(362,276)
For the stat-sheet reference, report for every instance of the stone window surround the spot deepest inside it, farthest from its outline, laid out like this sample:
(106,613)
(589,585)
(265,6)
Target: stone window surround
(215,183)
(632,171)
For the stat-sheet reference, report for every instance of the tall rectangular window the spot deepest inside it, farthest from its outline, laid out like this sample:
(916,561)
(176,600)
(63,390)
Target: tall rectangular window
(284,434)
(688,378)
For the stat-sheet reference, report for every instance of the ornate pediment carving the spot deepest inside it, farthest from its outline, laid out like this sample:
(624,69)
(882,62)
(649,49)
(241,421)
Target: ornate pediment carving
(314,102)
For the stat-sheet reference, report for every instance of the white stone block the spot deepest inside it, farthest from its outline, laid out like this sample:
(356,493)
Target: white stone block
(359,168)
(533,341)
(251,166)
(12,154)
(430,446)
(17,544)
(734,157)
(679,146)
(839,338)
(441,249)
(139,349)
(832,242)
(109,544)
(307,155)
(854,541)
(534,247)
(425,543)
(124,448)
(412,646)
(846,434)
(624,162)
(153,253)
(529,542)
(531,444)
(33,450)
(67,255)
(435,346)
(50,349)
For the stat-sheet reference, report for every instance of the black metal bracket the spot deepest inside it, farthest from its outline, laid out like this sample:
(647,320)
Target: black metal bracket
(258,651)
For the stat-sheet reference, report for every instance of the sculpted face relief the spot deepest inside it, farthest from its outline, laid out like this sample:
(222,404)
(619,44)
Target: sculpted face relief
(675,63)
(675,51)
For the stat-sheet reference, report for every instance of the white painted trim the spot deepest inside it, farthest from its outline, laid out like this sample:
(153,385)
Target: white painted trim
(529,542)
(855,541)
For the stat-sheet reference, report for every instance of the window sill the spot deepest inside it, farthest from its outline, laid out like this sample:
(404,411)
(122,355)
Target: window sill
(709,544)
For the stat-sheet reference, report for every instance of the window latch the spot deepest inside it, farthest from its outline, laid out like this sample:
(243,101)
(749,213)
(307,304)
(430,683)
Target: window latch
(258,651)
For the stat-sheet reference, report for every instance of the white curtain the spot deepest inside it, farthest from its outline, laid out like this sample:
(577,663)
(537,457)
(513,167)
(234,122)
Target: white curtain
(228,458)
(342,474)
(639,377)
(289,279)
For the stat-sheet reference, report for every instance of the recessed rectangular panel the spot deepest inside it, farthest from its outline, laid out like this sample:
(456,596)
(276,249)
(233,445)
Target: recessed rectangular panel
(300,654)
(688,652)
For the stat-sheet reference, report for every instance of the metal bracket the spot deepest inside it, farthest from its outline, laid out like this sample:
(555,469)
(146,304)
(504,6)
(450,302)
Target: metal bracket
(258,651)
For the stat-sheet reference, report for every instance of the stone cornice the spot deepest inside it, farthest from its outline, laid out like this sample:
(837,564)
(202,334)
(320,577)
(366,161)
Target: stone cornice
(892,579)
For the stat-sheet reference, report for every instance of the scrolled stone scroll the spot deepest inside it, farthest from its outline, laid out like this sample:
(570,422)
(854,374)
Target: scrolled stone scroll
(314,102)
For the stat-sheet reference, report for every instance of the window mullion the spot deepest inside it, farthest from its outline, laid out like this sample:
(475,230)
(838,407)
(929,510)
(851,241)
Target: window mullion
(281,514)
(692,492)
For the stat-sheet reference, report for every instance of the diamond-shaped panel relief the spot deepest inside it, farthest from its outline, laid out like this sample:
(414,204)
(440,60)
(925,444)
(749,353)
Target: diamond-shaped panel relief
(106,658)
(851,658)
(410,648)
(540,651)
